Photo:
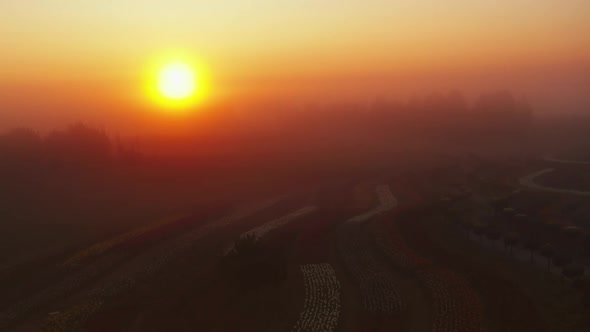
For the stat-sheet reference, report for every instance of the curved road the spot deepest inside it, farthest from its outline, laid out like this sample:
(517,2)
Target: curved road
(564,161)
(528,181)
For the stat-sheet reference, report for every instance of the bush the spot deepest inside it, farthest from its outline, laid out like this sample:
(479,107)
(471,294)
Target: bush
(251,263)
(573,271)
(561,260)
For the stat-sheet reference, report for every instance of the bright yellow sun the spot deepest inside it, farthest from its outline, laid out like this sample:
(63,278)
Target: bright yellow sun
(177,81)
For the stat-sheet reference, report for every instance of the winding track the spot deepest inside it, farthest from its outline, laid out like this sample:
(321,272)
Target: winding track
(528,181)
(386,202)
(565,161)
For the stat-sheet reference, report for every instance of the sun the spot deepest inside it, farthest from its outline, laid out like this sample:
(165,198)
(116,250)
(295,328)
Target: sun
(177,81)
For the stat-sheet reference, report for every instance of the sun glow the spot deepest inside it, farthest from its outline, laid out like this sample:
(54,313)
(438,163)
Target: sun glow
(177,81)
(177,84)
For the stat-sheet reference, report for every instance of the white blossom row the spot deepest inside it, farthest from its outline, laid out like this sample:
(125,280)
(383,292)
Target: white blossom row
(456,305)
(321,308)
(386,202)
(241,213)
(260,231)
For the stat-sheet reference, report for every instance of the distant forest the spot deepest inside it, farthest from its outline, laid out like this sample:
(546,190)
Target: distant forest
(447,116)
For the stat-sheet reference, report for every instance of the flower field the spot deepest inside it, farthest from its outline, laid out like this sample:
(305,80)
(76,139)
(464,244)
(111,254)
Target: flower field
(143,267)
(321,308)
(71,319)
(72,283)
(261,230)
(395,247)
(378,290)
(103,247)
(457,307)
(139,267)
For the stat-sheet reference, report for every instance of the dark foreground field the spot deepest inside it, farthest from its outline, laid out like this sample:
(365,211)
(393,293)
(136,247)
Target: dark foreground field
(343,255)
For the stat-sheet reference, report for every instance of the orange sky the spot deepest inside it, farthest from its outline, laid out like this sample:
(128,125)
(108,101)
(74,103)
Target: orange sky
(86,59)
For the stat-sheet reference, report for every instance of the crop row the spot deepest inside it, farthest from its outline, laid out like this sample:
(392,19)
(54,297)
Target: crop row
(456,305)
(396,248)
(147,266)
(378,289)
(241,213)
(70,284)
(71,318)
(386,202)
(260,231)
(321,308)
(102,247)
(141,266)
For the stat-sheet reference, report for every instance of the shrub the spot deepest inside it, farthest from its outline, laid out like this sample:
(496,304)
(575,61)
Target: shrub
(252,263)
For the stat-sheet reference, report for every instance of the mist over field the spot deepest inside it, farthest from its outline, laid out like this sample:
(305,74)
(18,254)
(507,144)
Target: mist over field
(309,166)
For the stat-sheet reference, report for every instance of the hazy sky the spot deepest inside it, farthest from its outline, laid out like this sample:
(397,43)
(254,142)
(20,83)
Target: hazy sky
(84,59)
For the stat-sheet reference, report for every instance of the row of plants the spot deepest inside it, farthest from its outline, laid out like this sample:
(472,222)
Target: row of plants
(72,318)
(379,291)
(140,268)
(70,284)
(321,308)
(103,247)
(261,230)
(396,248)
(456,305)
(386,202)
(154,231)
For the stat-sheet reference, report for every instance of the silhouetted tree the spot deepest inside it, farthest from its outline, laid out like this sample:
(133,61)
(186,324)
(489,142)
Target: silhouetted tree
(479,230)
(561,259)
(251,263)
(79,145)
(586,245)
(572,271)
(493,233)
(533,245)
(501,112)
(21,151)
(511,239)
(547,250)
(572,235)
(582,282)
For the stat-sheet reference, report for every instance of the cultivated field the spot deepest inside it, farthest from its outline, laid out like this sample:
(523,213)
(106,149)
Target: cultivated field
(340,256)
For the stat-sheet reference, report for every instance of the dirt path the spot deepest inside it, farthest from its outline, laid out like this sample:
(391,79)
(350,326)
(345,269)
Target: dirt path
(528,181)
(564,161)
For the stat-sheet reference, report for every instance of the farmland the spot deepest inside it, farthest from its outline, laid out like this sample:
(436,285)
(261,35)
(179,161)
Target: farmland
(344,256)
